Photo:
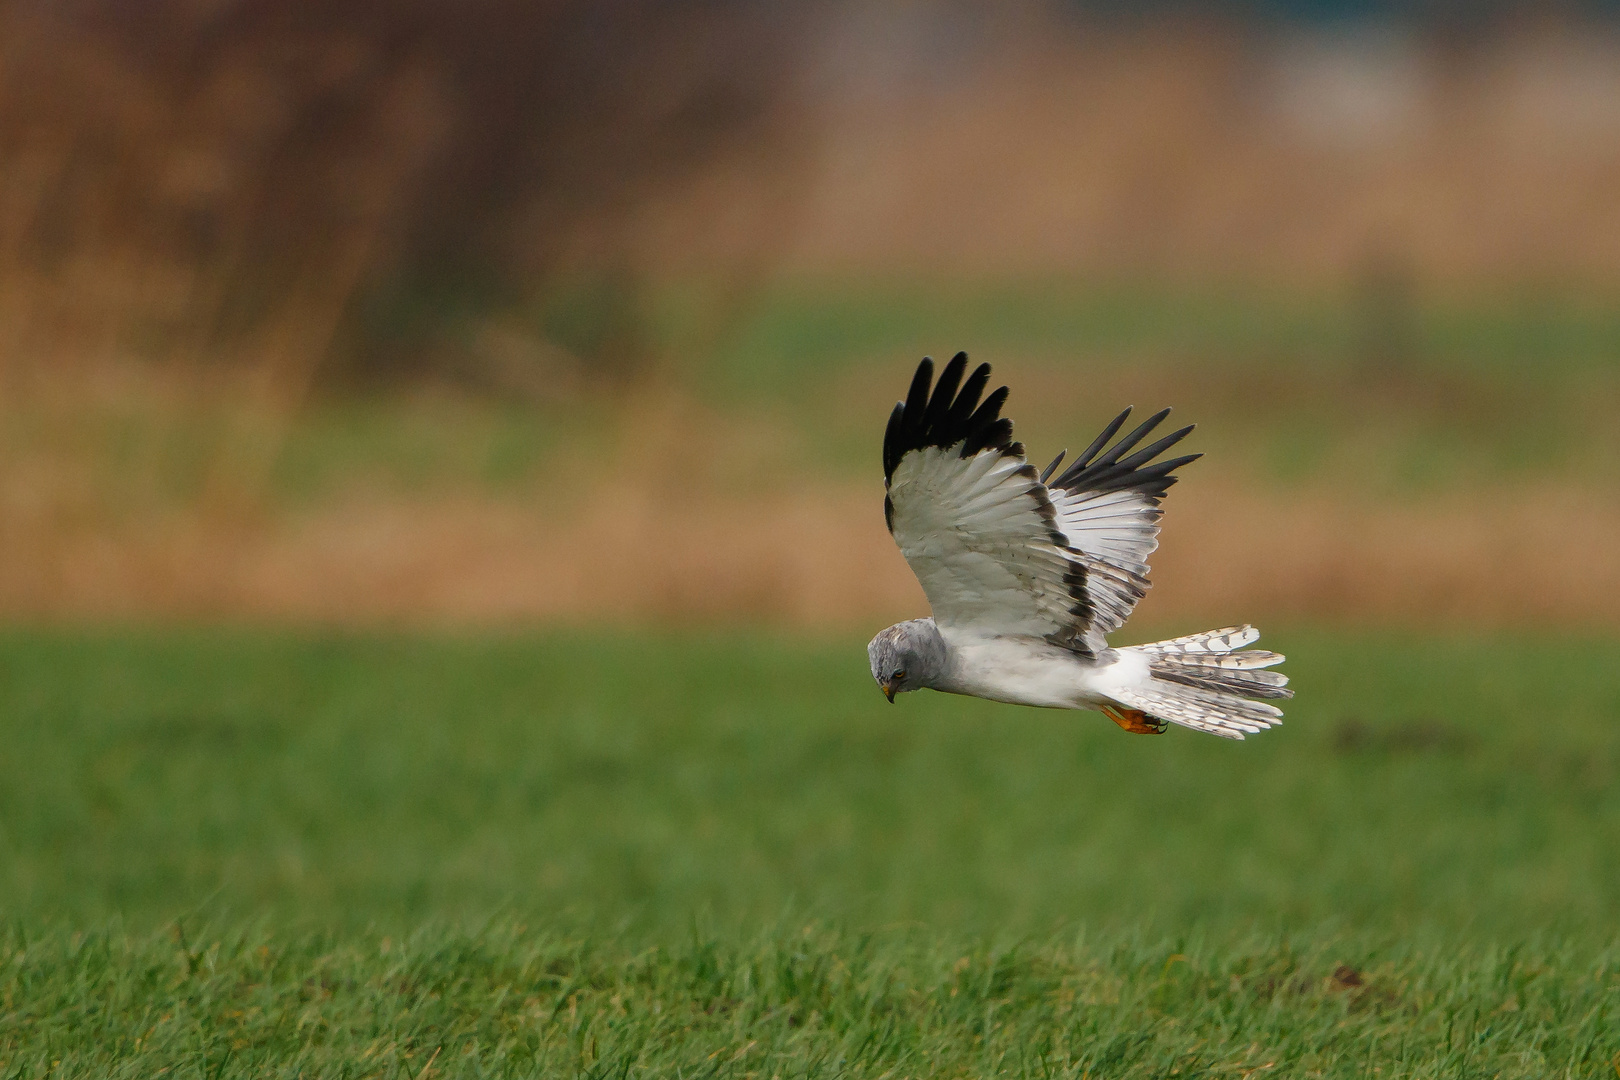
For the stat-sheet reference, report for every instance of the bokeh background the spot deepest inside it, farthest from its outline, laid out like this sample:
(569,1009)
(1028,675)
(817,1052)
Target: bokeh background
(514,313)
(440,523)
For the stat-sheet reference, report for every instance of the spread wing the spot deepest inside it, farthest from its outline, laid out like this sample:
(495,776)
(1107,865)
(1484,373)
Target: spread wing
(1108,507)
(989,542)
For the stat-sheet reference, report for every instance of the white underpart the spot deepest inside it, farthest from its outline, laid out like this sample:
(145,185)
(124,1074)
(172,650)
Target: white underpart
(1024,671)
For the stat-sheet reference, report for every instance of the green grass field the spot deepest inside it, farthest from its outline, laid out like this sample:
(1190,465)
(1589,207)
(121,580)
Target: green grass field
(247,854)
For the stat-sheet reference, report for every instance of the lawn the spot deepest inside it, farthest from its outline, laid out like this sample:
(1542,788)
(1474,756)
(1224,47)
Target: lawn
(245,853)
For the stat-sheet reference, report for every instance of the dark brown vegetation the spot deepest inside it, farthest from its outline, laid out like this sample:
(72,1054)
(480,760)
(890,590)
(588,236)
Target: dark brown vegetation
(294,185)
(368,190)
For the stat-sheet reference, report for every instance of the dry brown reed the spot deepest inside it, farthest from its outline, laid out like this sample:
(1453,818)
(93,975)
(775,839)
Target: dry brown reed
(817,557)
(341,190)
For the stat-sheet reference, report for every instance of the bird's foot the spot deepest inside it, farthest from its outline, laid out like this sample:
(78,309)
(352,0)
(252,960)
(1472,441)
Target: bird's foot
(1134,720)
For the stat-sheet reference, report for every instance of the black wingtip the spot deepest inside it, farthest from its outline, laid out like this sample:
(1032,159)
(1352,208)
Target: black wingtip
(943,395)
(1142,457)
(1100,469)
(946,413)
(1052,468)
(1137,434)
(916,401)
(892,437)
(1101,440)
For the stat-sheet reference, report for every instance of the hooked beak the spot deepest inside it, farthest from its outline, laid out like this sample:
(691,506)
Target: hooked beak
(888,691)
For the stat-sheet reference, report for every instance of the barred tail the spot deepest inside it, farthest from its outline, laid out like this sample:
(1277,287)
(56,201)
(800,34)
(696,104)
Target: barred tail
(1208,682)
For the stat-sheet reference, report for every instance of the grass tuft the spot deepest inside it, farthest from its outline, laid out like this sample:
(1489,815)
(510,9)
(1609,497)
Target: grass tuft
(507,1000)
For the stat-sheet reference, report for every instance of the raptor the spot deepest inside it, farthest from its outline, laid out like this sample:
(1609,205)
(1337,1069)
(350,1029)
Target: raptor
(1027,573)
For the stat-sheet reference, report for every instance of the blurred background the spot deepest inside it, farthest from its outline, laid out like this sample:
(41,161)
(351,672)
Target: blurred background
(494,312)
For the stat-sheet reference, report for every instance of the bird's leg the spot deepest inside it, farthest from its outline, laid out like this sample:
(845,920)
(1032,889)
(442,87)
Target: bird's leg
(1134,720)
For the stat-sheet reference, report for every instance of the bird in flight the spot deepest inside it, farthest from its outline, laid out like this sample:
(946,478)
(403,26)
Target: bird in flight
(1027,575)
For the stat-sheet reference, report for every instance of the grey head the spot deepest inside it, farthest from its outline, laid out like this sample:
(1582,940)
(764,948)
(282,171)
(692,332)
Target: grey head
(907,656)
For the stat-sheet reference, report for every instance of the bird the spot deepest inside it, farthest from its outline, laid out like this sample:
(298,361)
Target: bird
(1028,573)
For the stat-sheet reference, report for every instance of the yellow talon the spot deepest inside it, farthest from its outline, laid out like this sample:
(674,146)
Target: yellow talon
(1134,720)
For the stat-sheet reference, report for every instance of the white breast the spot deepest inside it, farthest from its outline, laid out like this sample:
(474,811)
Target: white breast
(1026,671)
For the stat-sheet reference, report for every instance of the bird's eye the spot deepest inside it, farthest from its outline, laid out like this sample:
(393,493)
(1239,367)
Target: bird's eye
(899,675)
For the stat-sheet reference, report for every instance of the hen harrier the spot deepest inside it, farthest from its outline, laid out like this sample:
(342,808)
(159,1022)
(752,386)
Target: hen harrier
(1027,576)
